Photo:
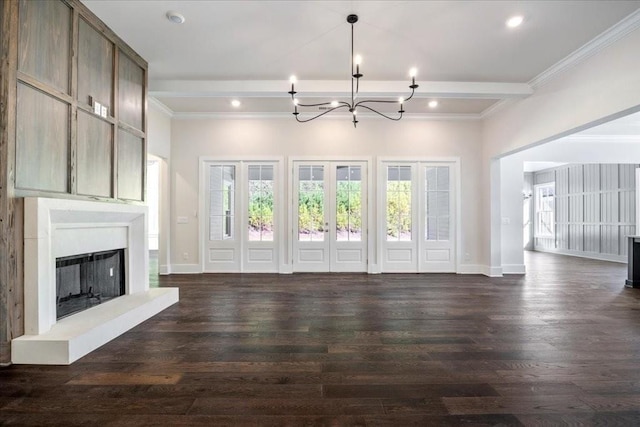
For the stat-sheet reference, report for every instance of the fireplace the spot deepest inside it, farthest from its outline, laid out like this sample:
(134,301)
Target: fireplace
(67,313)
(84,281)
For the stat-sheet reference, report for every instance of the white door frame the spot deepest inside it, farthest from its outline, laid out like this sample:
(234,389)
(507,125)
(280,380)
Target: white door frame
(370,201)
(279,197)
(381,179)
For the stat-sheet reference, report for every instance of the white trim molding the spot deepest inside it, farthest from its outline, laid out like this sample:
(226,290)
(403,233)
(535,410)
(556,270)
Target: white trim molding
(514,269)
(160,106)
(608,37)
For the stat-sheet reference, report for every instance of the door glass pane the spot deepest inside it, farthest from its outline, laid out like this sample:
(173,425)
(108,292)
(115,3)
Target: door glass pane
(260,203)
(399,203)
(310,203)
(348,203)
(437,203)
(221,201)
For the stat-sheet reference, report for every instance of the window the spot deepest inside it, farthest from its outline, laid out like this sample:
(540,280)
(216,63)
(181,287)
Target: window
(348,203)
(260,209)
(311,204)
(398,203)
(437,203)
(222,197)
(545,210)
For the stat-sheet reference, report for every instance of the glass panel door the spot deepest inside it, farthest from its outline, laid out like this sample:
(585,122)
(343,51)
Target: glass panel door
(222,248)
(349,217)
(437,249)
(329,216)
(310,245)
(398,241)
(262,209)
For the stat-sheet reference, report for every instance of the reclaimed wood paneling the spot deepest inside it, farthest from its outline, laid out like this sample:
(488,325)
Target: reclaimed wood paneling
(130,92)
(42,141)
(95,161)
(45,37)
(95,67)
(11,214)
(54,54)
(130,159)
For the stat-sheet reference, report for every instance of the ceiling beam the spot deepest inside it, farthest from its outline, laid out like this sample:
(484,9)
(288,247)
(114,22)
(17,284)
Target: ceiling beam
(336,88)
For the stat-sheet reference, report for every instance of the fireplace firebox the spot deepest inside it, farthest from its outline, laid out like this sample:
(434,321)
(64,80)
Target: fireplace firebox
(83,281)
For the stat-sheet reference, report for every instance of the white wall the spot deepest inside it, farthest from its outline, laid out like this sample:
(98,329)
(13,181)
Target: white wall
(602,87)
(511,218)
(413,139)
(158,131)
(159,145)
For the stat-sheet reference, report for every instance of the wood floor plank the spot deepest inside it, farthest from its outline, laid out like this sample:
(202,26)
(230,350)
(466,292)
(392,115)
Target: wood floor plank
(558,346)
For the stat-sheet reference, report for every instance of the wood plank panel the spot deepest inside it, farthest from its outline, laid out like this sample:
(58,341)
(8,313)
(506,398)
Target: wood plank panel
(130,92)
(45,40)
(130,168)
(95,161)
(95,67)
(42,141)
(576,179)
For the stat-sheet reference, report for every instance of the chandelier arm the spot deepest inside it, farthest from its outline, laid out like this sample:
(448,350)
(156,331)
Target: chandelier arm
(384,101)
(413,91)
(342,104)
(314,105)
(381,114)
(321,114)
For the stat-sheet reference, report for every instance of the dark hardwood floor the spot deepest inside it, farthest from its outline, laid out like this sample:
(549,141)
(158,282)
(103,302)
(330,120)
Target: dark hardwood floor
(560,346)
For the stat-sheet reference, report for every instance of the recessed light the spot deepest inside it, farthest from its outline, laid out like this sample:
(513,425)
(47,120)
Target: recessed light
(235,103)
(433,104)
(175,17)
(515,21)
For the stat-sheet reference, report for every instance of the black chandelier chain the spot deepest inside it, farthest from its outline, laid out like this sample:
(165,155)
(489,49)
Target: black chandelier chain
(352,106)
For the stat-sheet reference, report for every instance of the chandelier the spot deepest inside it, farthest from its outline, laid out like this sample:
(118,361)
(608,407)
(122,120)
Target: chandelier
(354,105)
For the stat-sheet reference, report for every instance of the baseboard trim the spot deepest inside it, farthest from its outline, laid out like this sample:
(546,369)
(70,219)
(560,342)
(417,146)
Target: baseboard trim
(164,270)
(588,255)
(185,269)
(470,269)
(492,271)
(514,269)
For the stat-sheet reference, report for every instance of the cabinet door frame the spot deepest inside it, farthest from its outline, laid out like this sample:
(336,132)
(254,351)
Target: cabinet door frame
(454,163)
(279,198)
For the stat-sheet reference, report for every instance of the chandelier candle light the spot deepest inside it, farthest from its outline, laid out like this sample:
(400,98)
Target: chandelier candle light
(352,106)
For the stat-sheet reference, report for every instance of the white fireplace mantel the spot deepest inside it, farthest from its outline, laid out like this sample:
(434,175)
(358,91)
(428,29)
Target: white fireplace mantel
(56,228)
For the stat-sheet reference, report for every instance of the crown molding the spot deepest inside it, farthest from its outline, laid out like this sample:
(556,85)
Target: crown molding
(602,138)
(160,106)
(608,37)
(287,116)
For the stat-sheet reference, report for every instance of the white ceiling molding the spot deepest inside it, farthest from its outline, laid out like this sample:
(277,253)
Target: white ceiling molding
(602,138)
(500,105)
(160,106)
(613,34)
(333,88)
(347,117)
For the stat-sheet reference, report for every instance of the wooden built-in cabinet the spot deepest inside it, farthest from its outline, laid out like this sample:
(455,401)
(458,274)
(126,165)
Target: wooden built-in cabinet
(68,62)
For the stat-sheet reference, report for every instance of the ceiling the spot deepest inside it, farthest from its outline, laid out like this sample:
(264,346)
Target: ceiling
(264,42)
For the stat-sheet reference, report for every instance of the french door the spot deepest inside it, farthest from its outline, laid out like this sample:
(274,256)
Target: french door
(329,216)
(242,217)
(418,217)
